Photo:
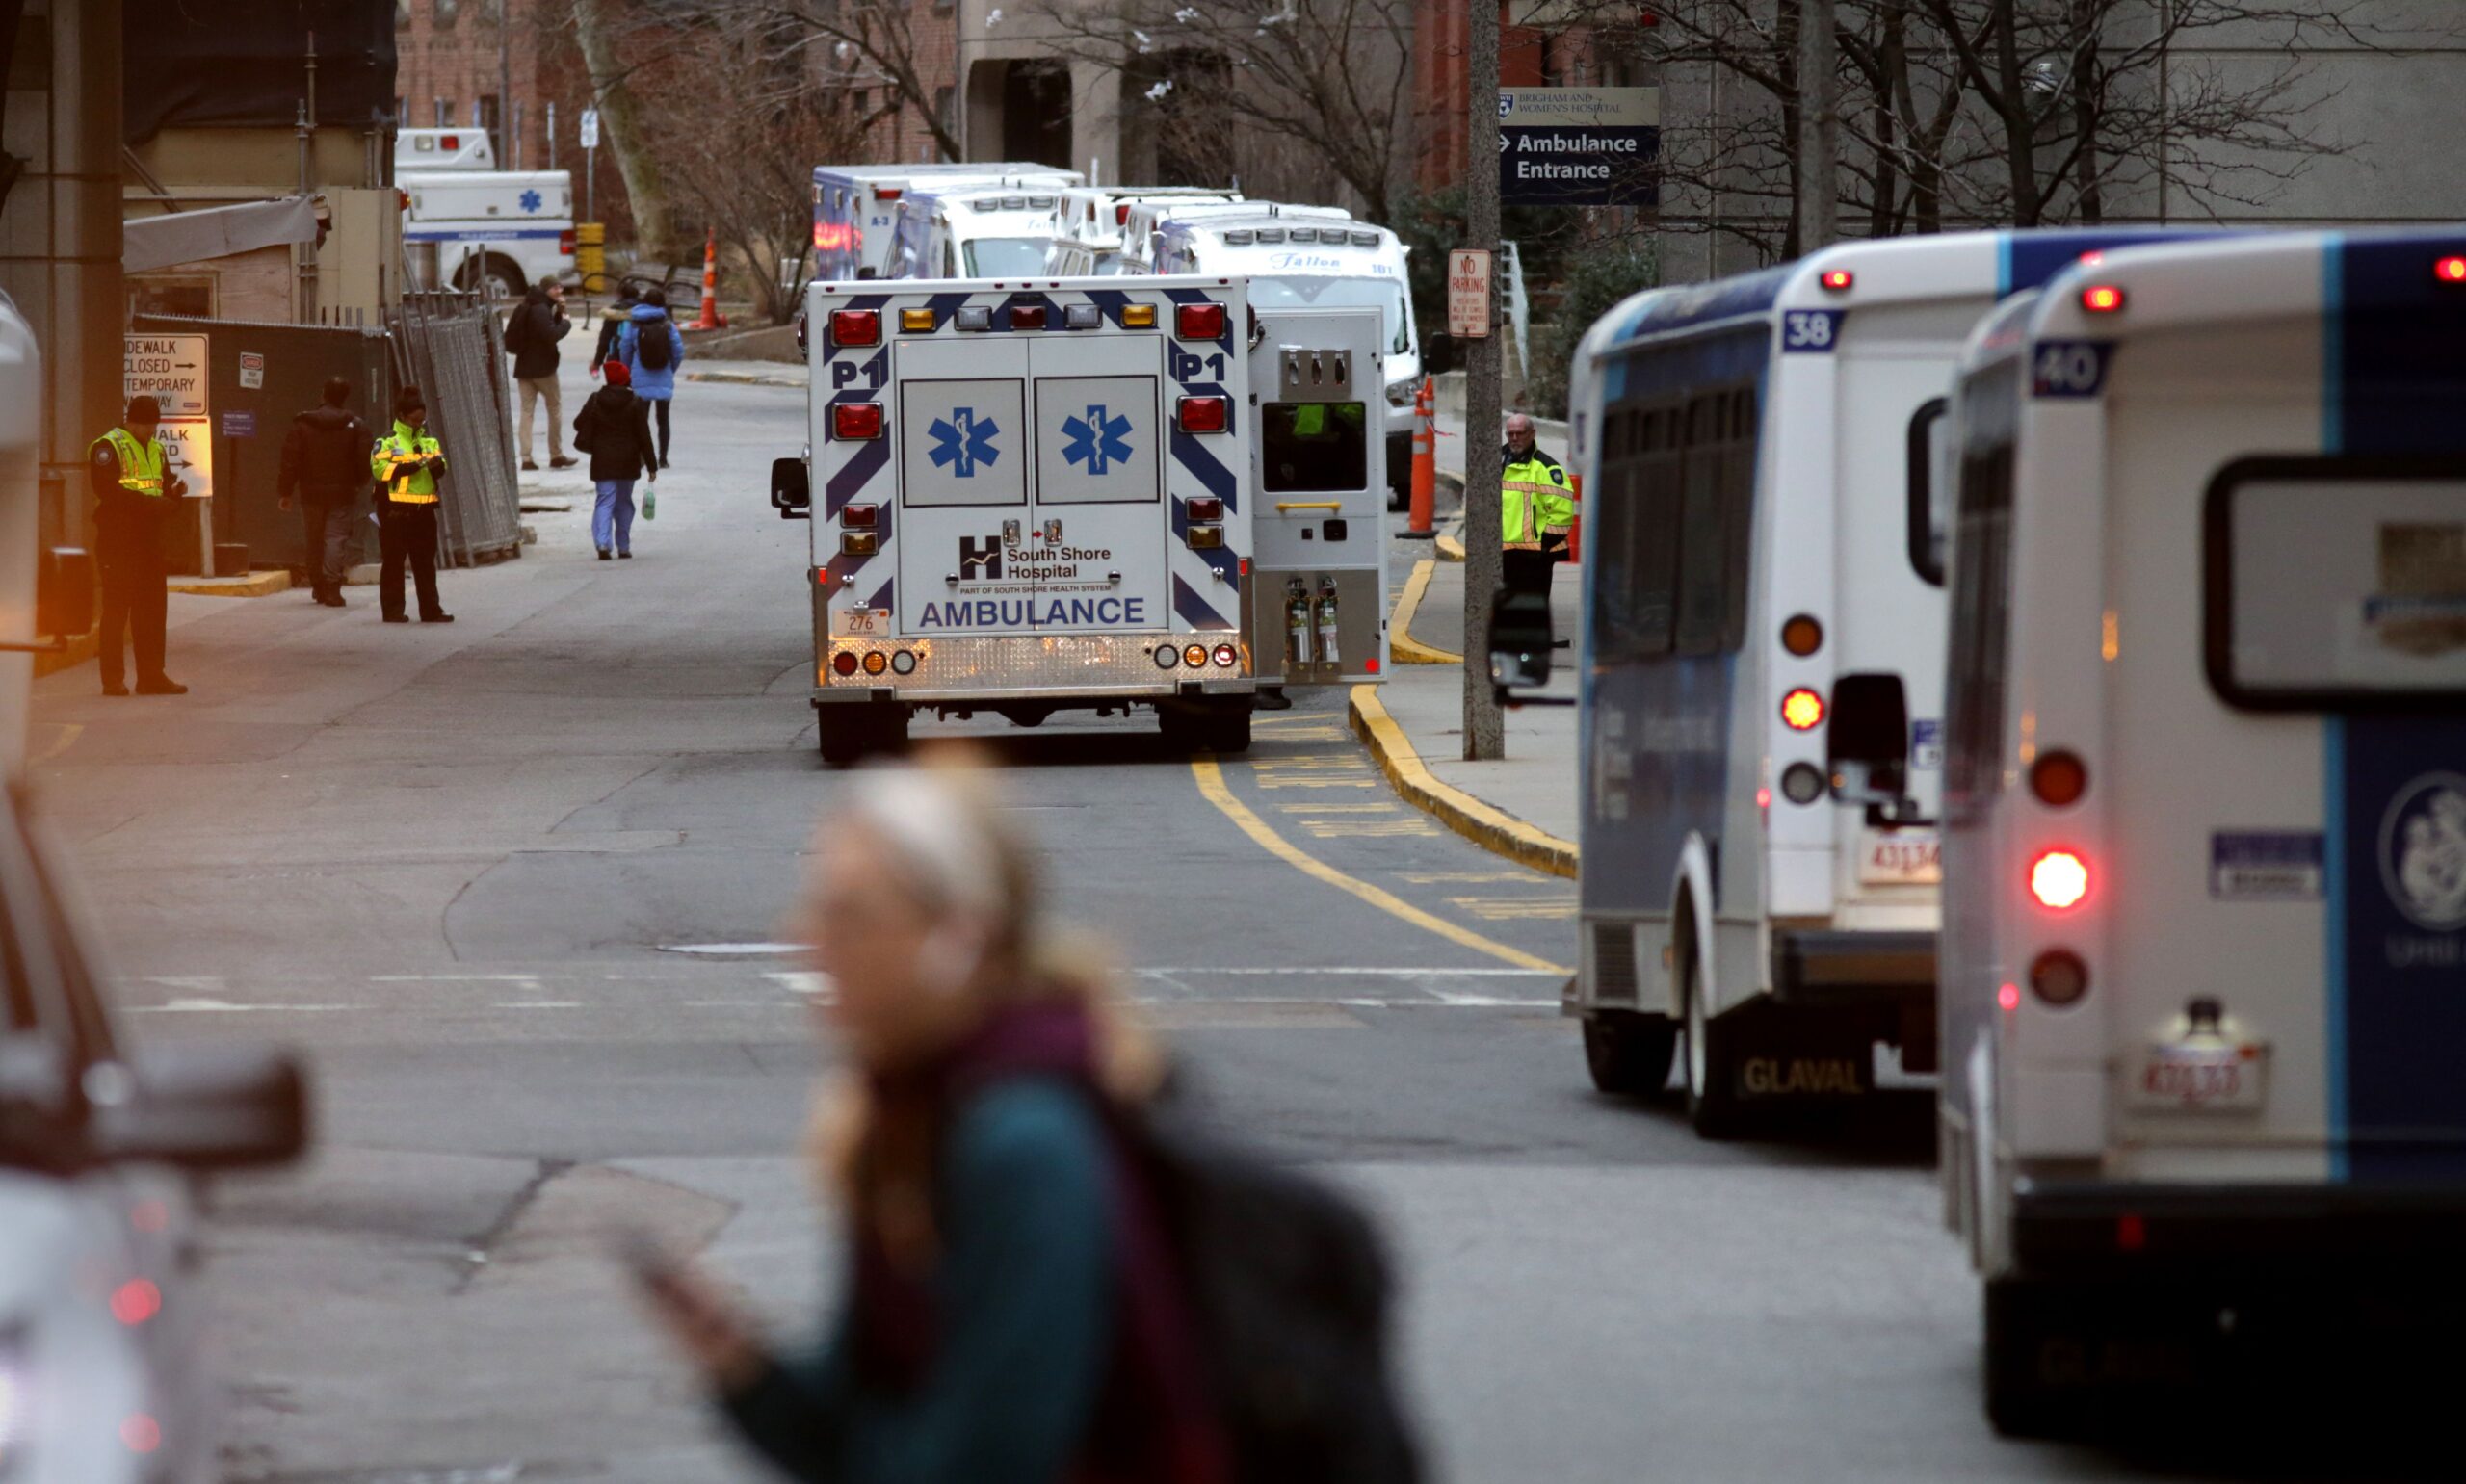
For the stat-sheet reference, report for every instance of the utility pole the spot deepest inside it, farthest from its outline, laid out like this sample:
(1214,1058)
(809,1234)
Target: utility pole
(1484,729)
(1819,127)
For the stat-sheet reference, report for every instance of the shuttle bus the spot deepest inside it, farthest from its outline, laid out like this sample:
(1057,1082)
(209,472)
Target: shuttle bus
(2204,955)
(1762,587)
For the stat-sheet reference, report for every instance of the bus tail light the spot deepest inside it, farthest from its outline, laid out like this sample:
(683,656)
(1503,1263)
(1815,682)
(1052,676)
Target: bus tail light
(2101,298)
(2449,270)
(855,326)
(2058,779)
(1802,710)
(1199,322)
(1201,414)
(855,421)
(1839,280)
(1802,783)
(2058,977)
(1802,635)
(2060,880)
(860,517)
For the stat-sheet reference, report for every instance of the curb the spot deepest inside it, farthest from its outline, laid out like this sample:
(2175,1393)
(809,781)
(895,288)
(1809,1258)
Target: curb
(84,647)
(1491,828)
(748,378)
(256,584)
(1401,647)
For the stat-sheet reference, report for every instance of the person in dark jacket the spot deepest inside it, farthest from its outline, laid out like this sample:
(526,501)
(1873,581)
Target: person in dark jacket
(1015,1312)
(324,468)
(129,472)
(619,314)
(532,334)
(614,428)
(651,349)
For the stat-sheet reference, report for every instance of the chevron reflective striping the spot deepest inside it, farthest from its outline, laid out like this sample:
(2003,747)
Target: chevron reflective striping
(1194,610)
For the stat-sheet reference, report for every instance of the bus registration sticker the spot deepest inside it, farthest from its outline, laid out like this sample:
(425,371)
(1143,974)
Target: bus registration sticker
(2203,1074)
(1913,857)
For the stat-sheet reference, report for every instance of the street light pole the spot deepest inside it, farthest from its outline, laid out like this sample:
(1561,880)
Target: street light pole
(1484,729)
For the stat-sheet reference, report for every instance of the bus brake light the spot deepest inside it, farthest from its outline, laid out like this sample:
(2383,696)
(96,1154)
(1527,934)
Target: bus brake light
(2060,880)
(2449,270)
(1802,710)
(2101,298)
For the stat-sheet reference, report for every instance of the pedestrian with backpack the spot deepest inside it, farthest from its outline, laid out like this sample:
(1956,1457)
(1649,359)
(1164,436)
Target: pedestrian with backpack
(614,428)
(1039,1292)
(651,349)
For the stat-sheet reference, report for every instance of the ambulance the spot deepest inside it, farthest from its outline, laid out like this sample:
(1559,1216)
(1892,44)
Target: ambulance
(1095,221)
(855,207)
(974,231)
(1032,496)
(492,229)
(1295,256)
(2203,963)
(1146,219)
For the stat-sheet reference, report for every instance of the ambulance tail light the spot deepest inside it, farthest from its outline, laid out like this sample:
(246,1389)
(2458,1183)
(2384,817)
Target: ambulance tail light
(855,326)
(876,662)
(886,193)
(1201,414)
(1226,656)
(844,663)
(1201,538)
(1139,316)
(2060,880)
(860,517)
(916,322)
(904,663)
(856,421)
(860,544)
(1195,656)
(1167,656)
(1198,322)
(1121,213)
(1027,316)
(566,243)
(1204,507)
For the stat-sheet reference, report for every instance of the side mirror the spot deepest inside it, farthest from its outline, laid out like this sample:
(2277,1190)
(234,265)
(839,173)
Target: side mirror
(199,1107)
(1867,746)
(801,347)
(1519,641)
(869,272)
(64,593)
(791,489)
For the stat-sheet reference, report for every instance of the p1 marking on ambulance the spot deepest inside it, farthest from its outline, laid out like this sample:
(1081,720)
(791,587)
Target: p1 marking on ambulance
(1037,496)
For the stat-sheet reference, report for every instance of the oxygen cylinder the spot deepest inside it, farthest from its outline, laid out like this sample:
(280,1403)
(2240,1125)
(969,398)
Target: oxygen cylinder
(1297,624)
(1327,648)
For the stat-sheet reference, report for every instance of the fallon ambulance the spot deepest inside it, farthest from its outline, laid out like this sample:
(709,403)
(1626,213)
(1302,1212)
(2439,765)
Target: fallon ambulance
(855,207)
(1095,221)
(2204,951)
(1094,494)
(1294,256)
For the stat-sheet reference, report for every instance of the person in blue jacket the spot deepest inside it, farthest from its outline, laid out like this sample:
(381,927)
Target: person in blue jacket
(652,349)
(1015,1314)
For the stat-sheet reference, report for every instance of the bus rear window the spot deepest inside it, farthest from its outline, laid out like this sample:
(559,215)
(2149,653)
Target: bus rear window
(1315,446)
(2337,584)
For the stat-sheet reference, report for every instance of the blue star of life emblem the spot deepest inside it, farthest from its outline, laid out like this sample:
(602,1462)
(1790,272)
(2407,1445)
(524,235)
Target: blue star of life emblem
(964,440)
(530,200)
(1096,440)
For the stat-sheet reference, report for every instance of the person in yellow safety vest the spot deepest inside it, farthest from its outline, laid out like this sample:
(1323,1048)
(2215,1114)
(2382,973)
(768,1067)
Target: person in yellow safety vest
(1535,511)
(133,487)
(405,465)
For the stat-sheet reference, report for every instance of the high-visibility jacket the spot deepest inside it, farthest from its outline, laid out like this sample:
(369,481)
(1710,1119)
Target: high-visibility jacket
(400,464)
(141,464)
(1534,510)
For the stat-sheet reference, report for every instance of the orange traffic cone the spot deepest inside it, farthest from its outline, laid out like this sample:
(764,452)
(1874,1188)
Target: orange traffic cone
(711,318)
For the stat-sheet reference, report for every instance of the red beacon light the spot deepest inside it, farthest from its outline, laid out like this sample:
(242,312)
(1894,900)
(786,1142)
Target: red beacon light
(2101,298)
(1839,280)
(855,326)
(1198,322)
(2450,270)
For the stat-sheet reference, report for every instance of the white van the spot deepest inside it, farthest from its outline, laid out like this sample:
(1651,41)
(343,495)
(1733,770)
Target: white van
(2204,957)
(1093,222)
(1145,221)
(974,231)
(1762,667)
(502,230)
(855,206)
(1302,257)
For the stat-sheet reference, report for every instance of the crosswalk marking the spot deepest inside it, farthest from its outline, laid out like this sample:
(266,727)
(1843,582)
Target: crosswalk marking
(1505,909)
(1366,829)
(1339,808)
(1466,877)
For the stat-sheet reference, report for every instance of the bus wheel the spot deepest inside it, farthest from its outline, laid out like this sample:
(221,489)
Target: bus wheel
(1629,1055)
(1712,1096)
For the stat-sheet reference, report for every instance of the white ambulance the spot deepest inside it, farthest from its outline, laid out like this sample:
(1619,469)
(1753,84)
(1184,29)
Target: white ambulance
(1030,497)
(2204,949)
(493,229)
(855,207)
(972,231)
(1295,256)
(1146,219)
(1093,223)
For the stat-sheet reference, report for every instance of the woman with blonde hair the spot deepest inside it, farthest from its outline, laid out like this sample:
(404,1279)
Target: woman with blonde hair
(1014,1311)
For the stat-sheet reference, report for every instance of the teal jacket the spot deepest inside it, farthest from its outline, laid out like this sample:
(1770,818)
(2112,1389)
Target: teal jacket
(1026,1295)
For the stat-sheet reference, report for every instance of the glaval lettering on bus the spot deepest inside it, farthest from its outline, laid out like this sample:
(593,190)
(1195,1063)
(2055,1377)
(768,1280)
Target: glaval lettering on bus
(1031,613)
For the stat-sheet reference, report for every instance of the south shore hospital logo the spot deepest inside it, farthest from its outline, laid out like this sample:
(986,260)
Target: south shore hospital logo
(2422,851)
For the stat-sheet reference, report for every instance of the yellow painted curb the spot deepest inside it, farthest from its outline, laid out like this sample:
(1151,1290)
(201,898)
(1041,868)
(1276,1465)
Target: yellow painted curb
(1451,548)
(256,584)
(1401,647)
(1491,828)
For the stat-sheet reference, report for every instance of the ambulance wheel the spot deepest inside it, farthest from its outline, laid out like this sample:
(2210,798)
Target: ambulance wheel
(495,276)
(1628,1055)
(1712,1060)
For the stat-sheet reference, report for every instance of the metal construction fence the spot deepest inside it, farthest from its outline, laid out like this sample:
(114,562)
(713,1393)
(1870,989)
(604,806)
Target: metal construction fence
(452,347)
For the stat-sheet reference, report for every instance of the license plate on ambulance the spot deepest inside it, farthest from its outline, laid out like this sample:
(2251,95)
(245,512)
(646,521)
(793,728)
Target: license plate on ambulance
(1902,857)
(862,623)
(2202,1077)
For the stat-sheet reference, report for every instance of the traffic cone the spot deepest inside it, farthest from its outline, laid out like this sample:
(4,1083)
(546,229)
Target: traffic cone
(1425,459)
(711,318)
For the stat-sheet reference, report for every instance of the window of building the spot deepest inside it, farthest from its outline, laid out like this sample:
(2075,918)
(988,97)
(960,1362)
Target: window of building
(446,11)
(444,112)
(402,14)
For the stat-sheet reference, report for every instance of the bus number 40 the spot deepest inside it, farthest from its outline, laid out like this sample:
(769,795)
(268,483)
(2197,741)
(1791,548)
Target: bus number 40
(2071,368)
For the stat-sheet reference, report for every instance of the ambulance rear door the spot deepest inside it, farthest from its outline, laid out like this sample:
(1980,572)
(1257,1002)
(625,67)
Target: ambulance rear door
(1319,597)
(963,453)
(1094,544)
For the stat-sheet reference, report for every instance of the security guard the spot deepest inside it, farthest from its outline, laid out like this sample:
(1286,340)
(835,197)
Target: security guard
(133,489)
(405,465)
(1536,513)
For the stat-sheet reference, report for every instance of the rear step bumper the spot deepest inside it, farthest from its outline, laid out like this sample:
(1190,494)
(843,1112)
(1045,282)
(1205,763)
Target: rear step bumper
(1833,967)
(2102,1229)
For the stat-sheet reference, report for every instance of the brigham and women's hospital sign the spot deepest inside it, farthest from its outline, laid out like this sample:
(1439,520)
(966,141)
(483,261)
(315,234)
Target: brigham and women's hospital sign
(1580,146)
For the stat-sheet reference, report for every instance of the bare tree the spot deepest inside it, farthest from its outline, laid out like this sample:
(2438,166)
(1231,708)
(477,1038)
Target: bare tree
(1322,82)
(861,45)
(601,35)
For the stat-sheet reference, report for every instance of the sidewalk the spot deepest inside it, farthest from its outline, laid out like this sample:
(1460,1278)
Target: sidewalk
(1524,806)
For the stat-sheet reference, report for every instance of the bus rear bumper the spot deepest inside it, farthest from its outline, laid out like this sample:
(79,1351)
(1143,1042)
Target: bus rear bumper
(2110,1230)
(1828,967)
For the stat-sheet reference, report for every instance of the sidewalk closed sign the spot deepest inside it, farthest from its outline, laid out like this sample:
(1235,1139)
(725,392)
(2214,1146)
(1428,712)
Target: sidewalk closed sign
(172,370)
(1580,146)
(1468,293)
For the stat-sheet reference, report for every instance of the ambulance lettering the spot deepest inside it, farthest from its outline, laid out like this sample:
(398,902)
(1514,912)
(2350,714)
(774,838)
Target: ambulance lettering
(1037,613)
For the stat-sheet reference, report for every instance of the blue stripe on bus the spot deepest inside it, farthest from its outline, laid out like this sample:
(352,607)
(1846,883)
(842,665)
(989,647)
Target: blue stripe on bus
(2030,260)
(2333,348)
(2399,381)
(2333,796)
